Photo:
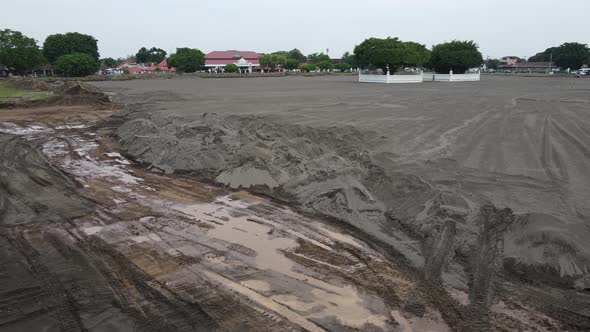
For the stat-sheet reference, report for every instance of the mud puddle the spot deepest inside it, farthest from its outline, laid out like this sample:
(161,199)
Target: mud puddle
(290,271)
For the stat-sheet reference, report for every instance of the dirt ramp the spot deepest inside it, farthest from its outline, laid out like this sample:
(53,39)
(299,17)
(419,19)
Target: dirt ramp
(31,189)
(329,170)
(77,93)
(29,83)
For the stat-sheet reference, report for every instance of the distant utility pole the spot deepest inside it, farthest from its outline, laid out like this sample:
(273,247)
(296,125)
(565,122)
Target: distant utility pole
(550,62)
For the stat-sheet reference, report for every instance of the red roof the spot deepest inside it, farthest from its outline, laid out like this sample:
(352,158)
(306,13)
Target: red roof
(227,57)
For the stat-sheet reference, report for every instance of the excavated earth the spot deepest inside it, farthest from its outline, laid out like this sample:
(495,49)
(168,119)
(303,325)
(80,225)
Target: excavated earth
(294,203)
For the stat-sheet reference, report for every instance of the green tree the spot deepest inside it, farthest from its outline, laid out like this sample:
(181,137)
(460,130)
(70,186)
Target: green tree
(544,56)
(318,57)
(187,60)
(76,64)
(455,55)
(230,68)
(297,55)
(272,60)
(492,64)
(19,52)
(348,58)
(325,65)
(390,53)
(572,55)
(110,62)
(72,42)
(154,54)
(291,64)
(309,67)
(343,66)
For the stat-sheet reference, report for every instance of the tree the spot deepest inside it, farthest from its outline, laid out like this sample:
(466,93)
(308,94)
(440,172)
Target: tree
(291,64)
(297,55)
(318,57)
(19,52)
(325,65)
(272,60)
(76,64)
(390,53)
(568,55)
(110,62)
(72,42)
(572,55)
(230,68)
(492,64)
(343,66)
(187,60)
(152,55)
(309,67)
(455,55)
(348,58)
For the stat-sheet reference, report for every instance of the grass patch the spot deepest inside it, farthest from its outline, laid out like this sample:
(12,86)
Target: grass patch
(8,92)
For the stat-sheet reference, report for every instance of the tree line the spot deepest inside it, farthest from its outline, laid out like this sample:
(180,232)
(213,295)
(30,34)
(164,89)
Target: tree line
(76,54)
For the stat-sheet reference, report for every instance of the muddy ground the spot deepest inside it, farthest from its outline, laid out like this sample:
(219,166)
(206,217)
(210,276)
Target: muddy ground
(376,208)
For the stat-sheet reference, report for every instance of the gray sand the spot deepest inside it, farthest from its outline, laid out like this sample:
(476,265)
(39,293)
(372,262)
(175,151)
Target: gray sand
(408,164)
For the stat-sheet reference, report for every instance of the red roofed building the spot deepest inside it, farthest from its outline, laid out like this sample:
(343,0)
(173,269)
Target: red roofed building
(162,66)
(245,60)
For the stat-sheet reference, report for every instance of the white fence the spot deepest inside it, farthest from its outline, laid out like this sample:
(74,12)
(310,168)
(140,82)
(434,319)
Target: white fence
(390,78)
(419,78)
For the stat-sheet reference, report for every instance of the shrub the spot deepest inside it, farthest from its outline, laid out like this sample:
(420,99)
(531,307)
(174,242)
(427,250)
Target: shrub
(309,67)
(343,67)
(291,64)
(325,65)
(230,68)
(76,64)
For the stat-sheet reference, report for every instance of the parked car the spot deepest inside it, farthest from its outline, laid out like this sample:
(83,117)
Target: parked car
(4,71)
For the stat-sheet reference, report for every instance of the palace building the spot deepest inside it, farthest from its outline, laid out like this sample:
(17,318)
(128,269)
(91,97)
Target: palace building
(247,61)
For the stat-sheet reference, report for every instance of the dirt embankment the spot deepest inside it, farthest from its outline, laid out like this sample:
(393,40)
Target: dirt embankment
(31,189)
(333,172)
(68,93)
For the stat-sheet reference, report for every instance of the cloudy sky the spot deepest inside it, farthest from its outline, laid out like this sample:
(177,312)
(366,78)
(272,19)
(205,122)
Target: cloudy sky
(501,27)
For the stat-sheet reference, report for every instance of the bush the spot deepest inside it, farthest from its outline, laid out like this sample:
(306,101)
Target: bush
(325,65)
(343,67)
(456,55)
(230,68)
(309,67)
(76,64)
(291,64)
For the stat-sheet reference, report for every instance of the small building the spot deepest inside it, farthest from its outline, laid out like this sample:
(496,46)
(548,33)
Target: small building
(510,60)
(528,67)
(161,67)
(245,60)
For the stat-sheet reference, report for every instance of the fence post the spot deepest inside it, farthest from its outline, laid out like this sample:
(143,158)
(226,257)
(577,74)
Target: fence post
(451,75)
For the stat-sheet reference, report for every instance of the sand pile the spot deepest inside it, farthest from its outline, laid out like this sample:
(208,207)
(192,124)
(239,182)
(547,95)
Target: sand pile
(333,171)
(29,83)
(77,93)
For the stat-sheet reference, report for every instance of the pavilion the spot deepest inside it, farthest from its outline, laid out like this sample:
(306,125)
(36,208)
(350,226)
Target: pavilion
(246,61)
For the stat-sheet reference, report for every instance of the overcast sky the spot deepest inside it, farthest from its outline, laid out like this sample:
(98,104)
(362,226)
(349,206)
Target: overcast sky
(501,27)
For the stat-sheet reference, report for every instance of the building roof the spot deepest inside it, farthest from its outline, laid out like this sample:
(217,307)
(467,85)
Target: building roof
(232,54)
(228,57)
(529,65)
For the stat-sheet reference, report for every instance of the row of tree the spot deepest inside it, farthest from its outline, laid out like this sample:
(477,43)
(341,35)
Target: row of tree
(76,54)
(393,53)
(71,53)
(567,55)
